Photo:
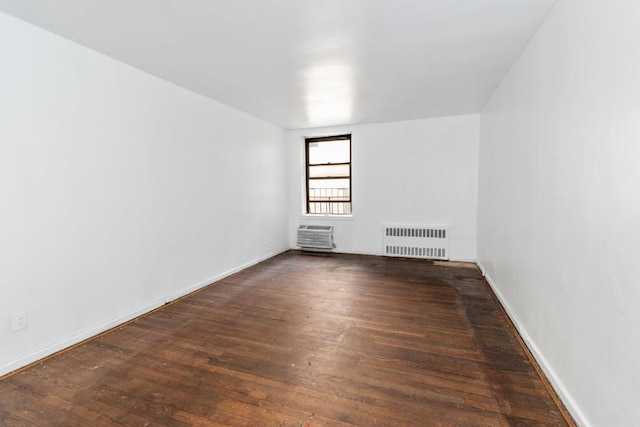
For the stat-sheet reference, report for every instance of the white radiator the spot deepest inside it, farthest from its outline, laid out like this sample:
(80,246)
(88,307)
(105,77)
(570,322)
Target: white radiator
(415,241)
(317,238)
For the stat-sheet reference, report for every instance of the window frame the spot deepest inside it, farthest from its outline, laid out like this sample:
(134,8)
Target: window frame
(341,137)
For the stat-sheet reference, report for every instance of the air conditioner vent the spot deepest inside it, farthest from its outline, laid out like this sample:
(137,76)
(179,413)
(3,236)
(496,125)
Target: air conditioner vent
(316,238)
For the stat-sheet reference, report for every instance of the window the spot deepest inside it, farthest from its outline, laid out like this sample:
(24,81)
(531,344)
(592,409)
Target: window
(329,175)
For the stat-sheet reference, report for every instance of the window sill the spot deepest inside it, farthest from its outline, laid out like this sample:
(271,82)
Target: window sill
(328,217)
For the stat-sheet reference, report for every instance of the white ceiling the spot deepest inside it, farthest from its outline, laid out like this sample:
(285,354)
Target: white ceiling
(309,63)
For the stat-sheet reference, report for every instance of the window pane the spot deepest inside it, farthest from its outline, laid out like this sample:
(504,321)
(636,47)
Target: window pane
(334,208)
(329,189)
(329,175)
(328,194)
(329,183)
(329,152)
(328,171)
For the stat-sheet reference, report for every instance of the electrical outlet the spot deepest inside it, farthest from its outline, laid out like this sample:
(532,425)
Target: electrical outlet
(19,321)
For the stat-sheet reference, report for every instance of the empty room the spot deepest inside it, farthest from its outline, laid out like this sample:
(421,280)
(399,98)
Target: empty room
(319,213)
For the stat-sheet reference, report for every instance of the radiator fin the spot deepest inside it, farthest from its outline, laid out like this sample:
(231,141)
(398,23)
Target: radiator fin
(416,241)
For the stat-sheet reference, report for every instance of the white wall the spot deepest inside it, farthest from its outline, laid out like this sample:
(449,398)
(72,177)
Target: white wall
(119,190)
(413,172)
(559,211)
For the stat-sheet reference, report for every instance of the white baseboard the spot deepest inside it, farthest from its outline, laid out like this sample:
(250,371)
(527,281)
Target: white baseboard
(471,260)
(558,386)
(348,252)
(220,276)
(483,271)
(339,251)
(89,333)
(75,339)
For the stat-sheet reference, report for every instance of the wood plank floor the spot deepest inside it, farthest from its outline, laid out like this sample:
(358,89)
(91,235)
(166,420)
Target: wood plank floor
(297,340)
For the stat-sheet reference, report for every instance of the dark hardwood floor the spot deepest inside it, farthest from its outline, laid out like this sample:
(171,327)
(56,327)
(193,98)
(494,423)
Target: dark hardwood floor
(297,340)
